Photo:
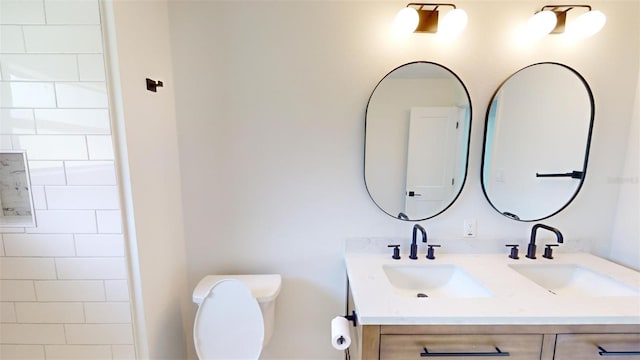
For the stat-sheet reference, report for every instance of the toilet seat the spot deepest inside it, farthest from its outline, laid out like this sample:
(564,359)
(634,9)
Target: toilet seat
(229,323)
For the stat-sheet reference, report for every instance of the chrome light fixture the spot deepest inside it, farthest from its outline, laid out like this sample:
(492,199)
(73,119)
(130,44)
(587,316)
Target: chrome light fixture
(423,18)
(552,19)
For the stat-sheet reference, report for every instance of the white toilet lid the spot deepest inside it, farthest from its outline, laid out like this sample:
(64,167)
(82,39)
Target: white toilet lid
(229,323)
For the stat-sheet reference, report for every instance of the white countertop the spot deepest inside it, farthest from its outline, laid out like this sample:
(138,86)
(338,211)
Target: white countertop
(515,299)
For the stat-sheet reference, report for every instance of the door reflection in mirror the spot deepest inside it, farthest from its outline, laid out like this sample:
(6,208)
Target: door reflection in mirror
(417,130)
(536,145)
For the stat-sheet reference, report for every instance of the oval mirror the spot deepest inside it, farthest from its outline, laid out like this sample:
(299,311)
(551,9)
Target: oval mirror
(536,142)
(417,128)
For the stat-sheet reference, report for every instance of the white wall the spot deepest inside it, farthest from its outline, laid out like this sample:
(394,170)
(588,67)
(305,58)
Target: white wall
(63,284)
(270,100)
(146,129)
(624,240)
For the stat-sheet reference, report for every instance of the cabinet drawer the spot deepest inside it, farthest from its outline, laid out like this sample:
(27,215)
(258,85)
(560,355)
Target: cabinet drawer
(398,347)
(585,346)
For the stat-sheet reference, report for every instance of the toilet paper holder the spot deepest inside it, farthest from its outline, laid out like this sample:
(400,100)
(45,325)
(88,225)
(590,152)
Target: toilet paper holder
(353,317)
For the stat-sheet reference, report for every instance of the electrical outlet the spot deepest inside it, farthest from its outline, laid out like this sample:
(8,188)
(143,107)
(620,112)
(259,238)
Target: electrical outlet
(470,227)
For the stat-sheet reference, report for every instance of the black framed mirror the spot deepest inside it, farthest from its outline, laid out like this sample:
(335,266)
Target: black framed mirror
(417,128)
(536,141)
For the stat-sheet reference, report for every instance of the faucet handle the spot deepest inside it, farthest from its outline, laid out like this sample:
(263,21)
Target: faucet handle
(430,252)
(548,252)
(514,251)
(396,251)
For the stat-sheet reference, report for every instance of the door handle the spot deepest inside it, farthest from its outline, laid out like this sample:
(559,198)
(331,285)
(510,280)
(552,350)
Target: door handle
(412,194)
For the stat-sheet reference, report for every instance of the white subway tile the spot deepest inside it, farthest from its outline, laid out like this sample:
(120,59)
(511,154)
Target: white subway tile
(82,197)
(99,334)
(91,268)
(27,268)
(91,67)
(90,172)
(63,39)
(72,12)
(32,334)
(123,352)
(39,198)
(39,67)
(72,121)
(11,39)
(49,312)
(39,245)
(82,95)
(27,95)
(52,147)
(70,290)
(47,172)
(5,142)
(17,121)
(7,312)
(79,352)
(17,290)
(107,313)
(100,147)
(21,12)
(117,290)
(109,221)
(64,222)
(22,352)
(100,245)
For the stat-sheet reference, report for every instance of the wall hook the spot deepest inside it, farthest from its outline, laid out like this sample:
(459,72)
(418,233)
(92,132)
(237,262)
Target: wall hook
(153,85)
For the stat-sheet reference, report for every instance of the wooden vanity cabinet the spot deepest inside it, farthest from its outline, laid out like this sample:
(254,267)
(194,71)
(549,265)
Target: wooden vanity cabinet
(521,342)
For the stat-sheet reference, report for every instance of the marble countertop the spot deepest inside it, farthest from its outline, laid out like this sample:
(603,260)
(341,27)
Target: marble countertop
(514,299)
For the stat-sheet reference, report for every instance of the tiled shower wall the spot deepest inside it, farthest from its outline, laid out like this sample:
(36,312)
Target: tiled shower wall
(63,284)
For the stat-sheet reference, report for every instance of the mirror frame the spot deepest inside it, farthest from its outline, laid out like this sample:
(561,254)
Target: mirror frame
(468,143)
(587,147)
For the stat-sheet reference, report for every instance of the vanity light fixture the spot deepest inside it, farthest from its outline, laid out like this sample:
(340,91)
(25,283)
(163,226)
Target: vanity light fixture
(552,19)
(415,18)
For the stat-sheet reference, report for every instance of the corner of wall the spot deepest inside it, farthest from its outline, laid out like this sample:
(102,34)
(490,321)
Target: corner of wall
(150,174)
(626,229)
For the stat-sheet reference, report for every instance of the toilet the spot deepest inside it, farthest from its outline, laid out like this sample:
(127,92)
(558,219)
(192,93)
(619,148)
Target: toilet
(235,315)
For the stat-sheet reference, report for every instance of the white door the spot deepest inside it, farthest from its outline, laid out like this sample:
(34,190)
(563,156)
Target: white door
(432,160)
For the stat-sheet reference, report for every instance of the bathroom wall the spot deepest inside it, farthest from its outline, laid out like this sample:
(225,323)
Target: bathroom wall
(624,245)
(145,125)
(270,102)
(63,284)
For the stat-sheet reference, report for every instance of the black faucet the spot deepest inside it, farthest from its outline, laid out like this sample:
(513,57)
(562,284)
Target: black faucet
(531,250)
(413,254)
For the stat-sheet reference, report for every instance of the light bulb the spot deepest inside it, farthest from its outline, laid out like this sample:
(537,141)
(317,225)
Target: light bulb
(541,24)
(453,23)
(587,24)
(406,21)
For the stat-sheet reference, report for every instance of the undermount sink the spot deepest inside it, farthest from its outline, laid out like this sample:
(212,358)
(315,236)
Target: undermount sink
(574,280)
(436,281)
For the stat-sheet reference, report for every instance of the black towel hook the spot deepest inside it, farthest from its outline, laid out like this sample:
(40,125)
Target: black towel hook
(153,85)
